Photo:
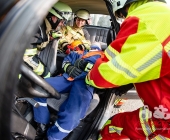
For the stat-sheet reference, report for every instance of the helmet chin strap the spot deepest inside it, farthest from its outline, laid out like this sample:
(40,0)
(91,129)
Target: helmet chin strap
(53,25)
(121,12)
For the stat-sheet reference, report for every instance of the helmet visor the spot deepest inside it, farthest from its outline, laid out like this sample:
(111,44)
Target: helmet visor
(66,15)
(62,15)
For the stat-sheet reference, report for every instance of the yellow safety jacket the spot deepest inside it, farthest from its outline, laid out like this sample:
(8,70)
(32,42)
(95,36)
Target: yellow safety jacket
(71,34)
(140,50)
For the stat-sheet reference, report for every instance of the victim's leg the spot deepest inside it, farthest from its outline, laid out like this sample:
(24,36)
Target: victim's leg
(71,111)
(41,113)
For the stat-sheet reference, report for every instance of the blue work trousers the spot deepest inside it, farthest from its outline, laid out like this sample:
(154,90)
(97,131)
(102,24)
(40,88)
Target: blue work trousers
(70,112)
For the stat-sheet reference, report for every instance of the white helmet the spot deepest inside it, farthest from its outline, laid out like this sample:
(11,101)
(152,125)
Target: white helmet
(82,13)
(118,4)
(61,10)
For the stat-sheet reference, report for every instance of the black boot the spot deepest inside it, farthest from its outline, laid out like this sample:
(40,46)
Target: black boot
(41,131)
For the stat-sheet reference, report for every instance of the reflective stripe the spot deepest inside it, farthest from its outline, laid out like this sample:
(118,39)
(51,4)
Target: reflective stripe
(19,76)
(144,116)
(113,129)
(151,61)
(107,123)
(123,69)
(40,69)
(26,129)
(110,52)
(61,129)
(100,137)
(65,65)
(153,126)
(159,137)
(42,104)
(30,52)
(48,75)
(118,64)
(167,48)
(88,67)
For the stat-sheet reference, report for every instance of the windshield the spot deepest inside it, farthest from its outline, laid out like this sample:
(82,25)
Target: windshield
(100,20)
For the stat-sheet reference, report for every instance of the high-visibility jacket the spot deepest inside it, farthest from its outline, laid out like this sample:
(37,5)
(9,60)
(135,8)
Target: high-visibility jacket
(71,34)
(139,55)
(140,51)
(38,42)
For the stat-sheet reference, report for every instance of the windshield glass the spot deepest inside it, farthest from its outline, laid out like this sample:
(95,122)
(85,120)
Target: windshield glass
(100,20)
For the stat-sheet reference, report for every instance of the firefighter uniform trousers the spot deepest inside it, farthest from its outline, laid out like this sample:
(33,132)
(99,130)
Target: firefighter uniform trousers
(70,112)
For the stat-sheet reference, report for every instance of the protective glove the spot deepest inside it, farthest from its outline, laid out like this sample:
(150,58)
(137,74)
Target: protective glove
(71,70)
(55,34)
(122,89)
(33,62)
(80,63)
(83,65)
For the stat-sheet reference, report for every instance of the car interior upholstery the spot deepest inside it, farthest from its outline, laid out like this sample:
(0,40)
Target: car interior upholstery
(103,35)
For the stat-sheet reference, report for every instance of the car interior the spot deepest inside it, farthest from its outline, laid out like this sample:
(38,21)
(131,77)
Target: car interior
(17,94)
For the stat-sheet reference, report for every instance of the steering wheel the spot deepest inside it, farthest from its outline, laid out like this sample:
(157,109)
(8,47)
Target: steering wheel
(35,85)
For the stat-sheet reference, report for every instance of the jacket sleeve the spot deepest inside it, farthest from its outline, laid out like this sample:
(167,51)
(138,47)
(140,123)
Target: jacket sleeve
(134,56)
(71,58)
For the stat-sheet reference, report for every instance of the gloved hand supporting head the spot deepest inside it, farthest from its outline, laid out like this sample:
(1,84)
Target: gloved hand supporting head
(95,46)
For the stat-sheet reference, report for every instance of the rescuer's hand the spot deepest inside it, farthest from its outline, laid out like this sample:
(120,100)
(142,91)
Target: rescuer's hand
(81,64)
(55,34)
(122,89)
(71,70)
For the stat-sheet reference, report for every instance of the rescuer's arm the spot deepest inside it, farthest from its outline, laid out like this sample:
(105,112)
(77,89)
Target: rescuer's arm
(135,56)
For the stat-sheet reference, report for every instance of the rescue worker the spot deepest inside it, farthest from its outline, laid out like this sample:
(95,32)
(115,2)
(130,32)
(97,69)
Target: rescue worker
(80,95)
(138,55)
(49,30)
(76,32)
